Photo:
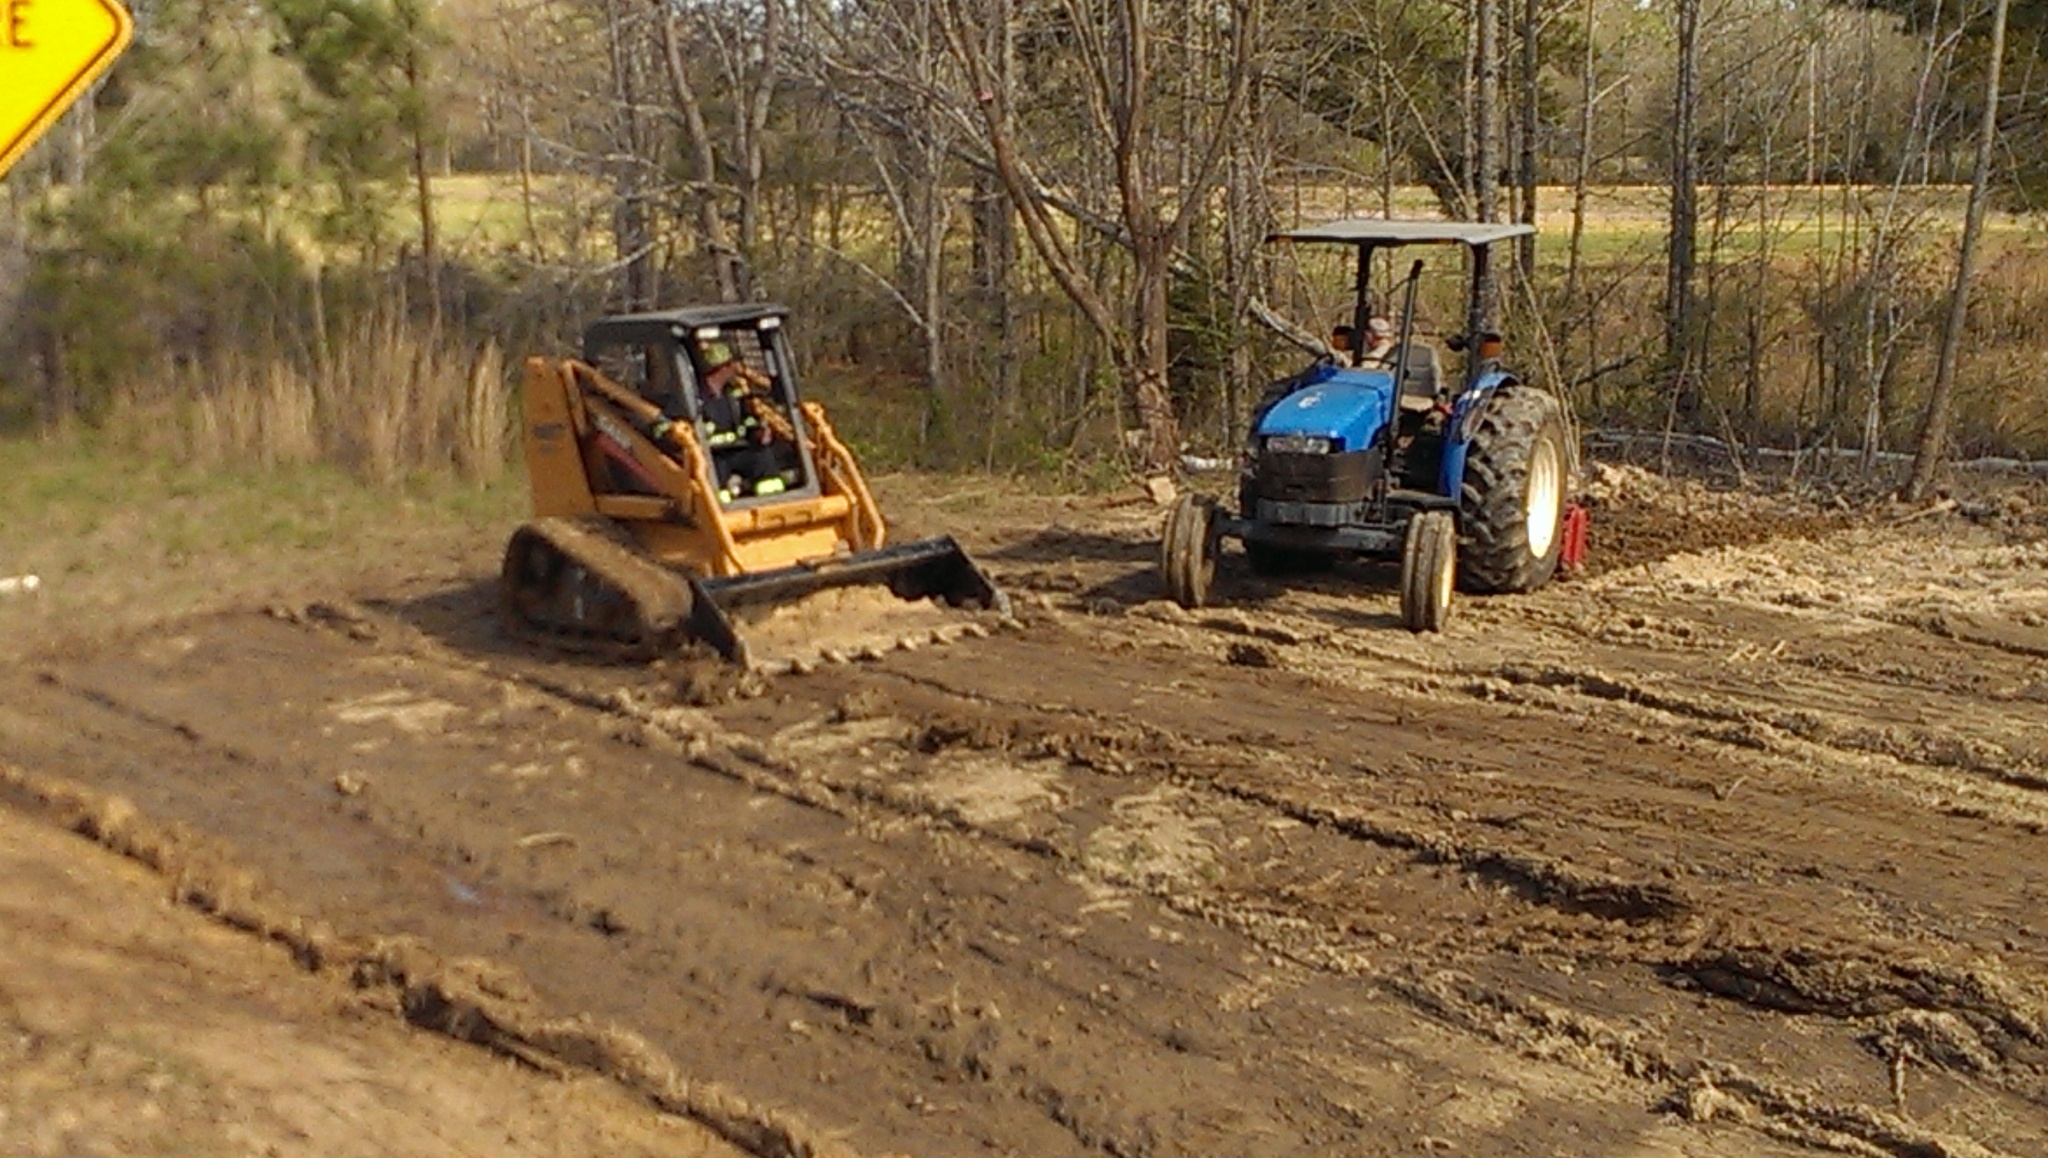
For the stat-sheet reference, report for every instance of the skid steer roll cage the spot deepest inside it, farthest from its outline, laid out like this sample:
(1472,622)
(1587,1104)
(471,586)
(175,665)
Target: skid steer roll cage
(679,334)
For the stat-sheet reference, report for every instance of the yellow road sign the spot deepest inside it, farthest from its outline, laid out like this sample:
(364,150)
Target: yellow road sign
(50,53)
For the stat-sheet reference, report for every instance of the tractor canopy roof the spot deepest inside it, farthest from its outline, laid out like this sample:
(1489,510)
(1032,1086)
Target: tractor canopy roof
(1380,231)
(676,324)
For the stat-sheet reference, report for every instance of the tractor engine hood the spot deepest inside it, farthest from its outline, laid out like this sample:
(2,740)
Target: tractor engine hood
(1349,407)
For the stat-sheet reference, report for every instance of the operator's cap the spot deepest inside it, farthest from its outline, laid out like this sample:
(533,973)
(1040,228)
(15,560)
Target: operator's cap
(1380,328)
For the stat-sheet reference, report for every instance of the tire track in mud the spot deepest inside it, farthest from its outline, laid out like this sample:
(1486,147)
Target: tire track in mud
(468,1000)
(935,1042)
(1949,764)
(1866,772)
(1668,667)
(1061,1105)
(1935,1009)
(1704,1088)
(1842,983)
(1414,836)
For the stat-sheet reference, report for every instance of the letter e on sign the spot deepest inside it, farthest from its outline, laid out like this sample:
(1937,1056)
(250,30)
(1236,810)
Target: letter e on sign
(51,52)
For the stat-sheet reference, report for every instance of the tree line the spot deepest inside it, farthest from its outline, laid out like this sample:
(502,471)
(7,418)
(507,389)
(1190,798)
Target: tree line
(1031,231)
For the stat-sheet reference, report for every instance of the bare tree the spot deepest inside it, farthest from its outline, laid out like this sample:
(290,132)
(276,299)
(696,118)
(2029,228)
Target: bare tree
(1531,113)
(727,265)
(1116,66)
(632,229)
(1683,240)
(1582,162)
(1934,426)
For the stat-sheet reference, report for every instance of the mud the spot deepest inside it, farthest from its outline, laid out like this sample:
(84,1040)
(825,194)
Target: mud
(1731,847)
(128,1026)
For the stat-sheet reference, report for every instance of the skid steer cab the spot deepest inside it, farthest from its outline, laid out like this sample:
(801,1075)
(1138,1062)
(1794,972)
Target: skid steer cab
(679,478)
(1467,479)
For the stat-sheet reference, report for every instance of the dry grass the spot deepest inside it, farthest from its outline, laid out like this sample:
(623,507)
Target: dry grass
(1828,327)
(388,399)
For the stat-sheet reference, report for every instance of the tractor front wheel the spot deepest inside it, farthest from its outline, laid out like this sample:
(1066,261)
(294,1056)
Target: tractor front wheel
(1187,551)
(1512,499)
(1429,569)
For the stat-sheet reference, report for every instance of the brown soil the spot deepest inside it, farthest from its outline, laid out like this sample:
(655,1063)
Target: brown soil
(1731,847)
(129,1025)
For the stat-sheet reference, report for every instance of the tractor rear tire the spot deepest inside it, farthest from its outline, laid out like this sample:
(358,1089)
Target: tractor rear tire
(1429,568)
(1512,501)
(1187,551)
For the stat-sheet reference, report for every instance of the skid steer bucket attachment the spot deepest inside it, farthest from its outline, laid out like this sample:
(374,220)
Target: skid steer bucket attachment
(930,569)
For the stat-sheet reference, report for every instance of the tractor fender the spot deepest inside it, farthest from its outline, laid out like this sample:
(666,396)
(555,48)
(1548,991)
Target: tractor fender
(1466,411)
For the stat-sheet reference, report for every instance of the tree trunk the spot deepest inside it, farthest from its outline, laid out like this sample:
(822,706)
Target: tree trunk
(1934,427)
(629,213)
(1468,107)
(83,122)
(1755,310)
(753,127)
(1531,112)
(1589,96)
(1158,427)
(1486,113)
(725,259)
(430,250)
(1684,228)
(995,258)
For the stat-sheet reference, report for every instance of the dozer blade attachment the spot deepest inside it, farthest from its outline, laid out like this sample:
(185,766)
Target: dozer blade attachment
(929,569)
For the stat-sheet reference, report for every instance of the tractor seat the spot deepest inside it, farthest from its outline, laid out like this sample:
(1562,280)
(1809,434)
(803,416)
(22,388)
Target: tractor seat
(1420,373)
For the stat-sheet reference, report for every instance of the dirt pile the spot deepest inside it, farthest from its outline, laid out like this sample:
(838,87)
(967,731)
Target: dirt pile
(1640,516)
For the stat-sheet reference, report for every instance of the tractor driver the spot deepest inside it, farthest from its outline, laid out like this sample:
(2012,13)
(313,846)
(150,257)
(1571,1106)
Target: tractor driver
(1341,345)
(746,459)
(1379,345)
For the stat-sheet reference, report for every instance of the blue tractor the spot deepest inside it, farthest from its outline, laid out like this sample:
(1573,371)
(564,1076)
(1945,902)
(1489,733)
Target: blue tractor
(1467,481)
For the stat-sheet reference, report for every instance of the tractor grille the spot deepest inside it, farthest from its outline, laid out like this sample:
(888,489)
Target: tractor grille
(1317,478)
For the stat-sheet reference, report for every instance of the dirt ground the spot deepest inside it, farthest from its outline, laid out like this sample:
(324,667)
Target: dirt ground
(132,1026)
(1734,846)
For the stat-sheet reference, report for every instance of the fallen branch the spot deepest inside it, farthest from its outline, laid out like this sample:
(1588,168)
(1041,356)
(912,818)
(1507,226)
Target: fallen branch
(1708,444)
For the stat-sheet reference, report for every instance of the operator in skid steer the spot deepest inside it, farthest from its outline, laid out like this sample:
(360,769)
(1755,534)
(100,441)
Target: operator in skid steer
(752,453)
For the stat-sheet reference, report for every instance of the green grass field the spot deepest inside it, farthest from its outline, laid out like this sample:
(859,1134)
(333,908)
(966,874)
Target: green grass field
(104,527)
(481,212)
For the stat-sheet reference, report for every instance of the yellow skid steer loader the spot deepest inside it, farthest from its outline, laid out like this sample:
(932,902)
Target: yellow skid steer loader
(681,485)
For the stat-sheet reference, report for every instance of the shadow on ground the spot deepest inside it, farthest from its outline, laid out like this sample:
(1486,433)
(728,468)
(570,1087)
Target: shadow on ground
(1065,545)
(465,618)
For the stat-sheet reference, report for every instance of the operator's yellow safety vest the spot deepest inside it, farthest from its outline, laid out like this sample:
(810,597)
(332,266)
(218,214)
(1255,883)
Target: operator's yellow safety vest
(747,421)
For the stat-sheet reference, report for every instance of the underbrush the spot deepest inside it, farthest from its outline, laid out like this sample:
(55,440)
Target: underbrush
(386,400)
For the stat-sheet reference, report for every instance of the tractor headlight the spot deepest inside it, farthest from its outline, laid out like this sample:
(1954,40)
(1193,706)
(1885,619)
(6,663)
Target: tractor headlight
(1297,444)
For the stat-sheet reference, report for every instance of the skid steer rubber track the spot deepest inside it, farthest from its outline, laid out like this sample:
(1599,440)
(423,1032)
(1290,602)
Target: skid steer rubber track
(582,584)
